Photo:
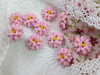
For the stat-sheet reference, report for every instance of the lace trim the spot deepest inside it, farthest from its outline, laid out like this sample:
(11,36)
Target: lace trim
(85,10)
(86,68)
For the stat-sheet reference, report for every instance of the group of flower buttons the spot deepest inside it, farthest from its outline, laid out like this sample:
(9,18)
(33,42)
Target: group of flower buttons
(34,42)
(82,45)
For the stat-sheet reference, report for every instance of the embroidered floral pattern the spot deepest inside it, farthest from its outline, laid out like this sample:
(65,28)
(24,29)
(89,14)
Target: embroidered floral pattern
(93,41)
(97,54)
(78,31)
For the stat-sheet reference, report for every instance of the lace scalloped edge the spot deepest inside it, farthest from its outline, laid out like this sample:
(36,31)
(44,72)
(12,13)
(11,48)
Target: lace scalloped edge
(85,10)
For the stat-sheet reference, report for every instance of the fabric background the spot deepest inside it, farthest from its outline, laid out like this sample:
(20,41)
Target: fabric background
(19,60)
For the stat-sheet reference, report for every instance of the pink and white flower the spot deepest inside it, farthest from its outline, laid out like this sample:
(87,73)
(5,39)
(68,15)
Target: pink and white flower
(15,32)
(15,18)
(49,13)
(30,20)
(55,39)
(42,28)
(64,20)
(34,42)
(64,57)
(82,45)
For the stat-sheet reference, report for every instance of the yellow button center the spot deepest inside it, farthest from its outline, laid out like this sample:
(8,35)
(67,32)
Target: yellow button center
(13,31)
(54,38)
(34,40)
(83,44)
(62,56)
(42,27)
(30,17)
(49,12)
(15,17)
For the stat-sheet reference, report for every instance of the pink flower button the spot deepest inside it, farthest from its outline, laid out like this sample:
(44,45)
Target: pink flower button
(30,20)
(42,28)
(15,32)
(82,45)
(55,39)
(34,42)
(64,20)
(49,13)
(15,18)
(64,57)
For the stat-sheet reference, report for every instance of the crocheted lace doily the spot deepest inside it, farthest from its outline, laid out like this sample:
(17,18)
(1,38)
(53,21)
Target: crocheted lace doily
(85,10)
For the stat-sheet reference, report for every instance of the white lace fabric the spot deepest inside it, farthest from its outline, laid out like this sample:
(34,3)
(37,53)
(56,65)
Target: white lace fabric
(87,11)
(21,61)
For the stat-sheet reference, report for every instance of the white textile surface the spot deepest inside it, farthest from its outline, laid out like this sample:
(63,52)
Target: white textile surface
(21,61)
